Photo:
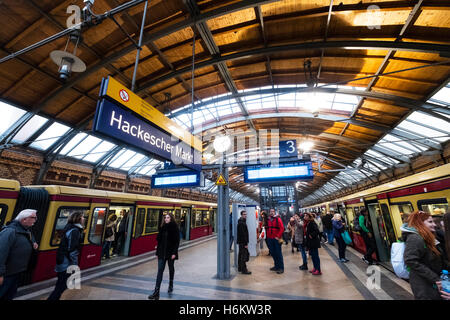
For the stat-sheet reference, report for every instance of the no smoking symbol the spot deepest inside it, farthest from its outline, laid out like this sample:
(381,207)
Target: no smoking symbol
(124,95)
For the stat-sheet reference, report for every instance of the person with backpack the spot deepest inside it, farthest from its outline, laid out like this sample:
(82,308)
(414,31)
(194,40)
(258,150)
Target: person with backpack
(313,242)
(422,256)
(68,252)
(16,246)
(274,231)
(367,235)
(339,227)
(168,239)
(110,233)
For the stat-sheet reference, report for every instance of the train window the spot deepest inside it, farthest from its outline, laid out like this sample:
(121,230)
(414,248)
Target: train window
(433,206)
(198,218)
(402,209)
(97,222)
(151,224)
(140,220)
(205,217)
(3,211)
(178,216)
(388,224)
(356,210)
(61,220)
(193,218)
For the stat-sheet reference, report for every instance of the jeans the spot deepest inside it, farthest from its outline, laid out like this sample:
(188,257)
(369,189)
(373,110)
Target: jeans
(120,240)
(8,289)
(161,267)
(315,258)
(330,235)
(106,248)
(275,251)
(370,246)
(303,252)
(60,287)
(341,247)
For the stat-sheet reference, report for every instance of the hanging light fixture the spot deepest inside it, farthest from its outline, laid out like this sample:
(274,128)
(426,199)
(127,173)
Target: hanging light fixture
(68,62)
(314,100)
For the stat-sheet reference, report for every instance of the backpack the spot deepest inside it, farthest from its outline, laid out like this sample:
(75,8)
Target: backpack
(356,225)
(397,260)
(109,232)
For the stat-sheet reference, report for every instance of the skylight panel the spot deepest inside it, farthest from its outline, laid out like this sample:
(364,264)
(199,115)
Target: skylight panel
(427,132)
(443,95)
(83,148)
(49,136)
(10,115)
(121,159)
(33,125)
(129,165)
(72,143)
(99,151)
(429,120)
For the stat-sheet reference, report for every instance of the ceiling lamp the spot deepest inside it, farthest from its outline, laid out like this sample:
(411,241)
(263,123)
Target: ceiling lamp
(306,146)
(222,143)
(66,61)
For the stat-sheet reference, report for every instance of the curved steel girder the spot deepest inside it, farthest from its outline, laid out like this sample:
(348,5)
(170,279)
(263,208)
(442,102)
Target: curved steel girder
(241,5)
(443,50)
(333,118)
(397,100)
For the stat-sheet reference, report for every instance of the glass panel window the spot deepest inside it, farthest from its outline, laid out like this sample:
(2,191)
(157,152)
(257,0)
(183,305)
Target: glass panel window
(433,206)
(97,223)
(121,159)
(140,220)
(49,136)
(72,143)
(430,133)
(61,220)
(205,218)
(198,218)
(129,165)
(33,125)
(83,148)
(99,151)
(10,115)
(151,224)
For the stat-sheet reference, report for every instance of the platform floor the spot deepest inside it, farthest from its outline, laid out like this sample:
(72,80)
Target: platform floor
(195,279)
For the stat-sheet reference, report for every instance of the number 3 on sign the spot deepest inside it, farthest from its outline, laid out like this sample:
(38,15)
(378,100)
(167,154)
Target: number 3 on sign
(291,146)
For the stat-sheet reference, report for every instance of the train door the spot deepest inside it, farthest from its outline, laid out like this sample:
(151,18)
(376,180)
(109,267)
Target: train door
(185,223)
(383,230)
(122,239)
(91,253)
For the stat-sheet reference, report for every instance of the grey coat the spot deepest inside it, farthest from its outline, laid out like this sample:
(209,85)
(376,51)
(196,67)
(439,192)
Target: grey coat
(16,246)
(298,233)
(425,266)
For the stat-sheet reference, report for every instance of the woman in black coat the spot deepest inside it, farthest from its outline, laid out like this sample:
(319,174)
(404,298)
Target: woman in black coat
(313,243)
(168,240)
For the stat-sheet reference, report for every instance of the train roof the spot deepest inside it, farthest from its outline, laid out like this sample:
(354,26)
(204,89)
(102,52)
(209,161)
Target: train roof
(115,196)
(7,184)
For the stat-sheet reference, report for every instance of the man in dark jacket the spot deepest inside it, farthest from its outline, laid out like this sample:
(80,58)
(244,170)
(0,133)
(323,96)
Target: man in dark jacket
(367,235)
(242,241)
(16,246)
(328,226)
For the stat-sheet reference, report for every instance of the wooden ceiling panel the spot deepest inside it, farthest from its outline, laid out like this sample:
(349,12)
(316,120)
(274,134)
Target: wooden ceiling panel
(438,18)
(232,19)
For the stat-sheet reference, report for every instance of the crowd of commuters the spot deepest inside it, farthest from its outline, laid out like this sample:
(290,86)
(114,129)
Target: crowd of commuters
(425,255)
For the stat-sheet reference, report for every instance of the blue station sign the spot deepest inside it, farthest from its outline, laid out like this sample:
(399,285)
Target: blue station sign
(123,125)
(284,172)
(185,179)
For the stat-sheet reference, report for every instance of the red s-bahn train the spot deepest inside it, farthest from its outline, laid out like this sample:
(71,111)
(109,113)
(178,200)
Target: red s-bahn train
(140,213)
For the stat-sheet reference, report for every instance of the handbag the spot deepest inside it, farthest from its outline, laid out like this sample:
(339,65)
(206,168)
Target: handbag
(346,236)
(262,235)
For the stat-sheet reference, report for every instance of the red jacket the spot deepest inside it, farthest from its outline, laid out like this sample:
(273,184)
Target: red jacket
(274,228)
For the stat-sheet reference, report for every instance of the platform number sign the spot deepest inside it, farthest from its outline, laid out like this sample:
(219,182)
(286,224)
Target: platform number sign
(288,148)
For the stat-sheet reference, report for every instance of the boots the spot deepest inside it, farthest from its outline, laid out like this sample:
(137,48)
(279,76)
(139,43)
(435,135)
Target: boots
(303,267)
(170,286)
(155,294)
